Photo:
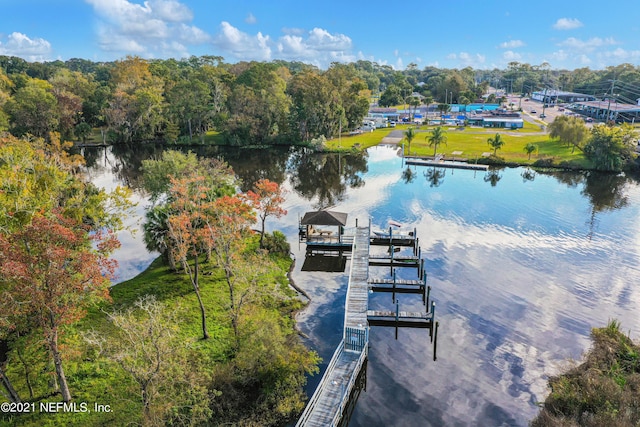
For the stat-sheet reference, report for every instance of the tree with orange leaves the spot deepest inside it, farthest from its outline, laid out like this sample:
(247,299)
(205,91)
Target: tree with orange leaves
(228,222)
(267,197)
(50,271)
(187,238)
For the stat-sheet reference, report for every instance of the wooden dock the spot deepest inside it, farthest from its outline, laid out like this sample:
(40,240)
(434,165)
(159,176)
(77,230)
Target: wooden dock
(327,405)
(451,164)
(345,375)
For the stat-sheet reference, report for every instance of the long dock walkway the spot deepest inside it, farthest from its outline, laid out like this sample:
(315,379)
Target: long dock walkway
(327,405)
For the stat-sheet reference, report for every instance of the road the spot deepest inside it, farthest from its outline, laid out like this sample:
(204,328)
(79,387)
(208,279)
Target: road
(529,106)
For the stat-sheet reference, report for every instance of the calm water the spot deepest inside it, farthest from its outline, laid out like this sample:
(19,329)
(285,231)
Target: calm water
(522,265)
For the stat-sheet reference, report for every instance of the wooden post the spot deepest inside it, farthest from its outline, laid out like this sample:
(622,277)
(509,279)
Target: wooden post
(433,316)
(393,295)
(422,274)
(425,298)
(435,343)
(397,316)
(391,260)
(416,245)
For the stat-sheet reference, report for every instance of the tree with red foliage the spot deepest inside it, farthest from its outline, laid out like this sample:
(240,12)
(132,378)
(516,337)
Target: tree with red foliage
(190,197)
(228,221)
(50,271)
(267,197)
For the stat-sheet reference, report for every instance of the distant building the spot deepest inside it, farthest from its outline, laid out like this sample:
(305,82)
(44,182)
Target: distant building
(554,96)
(499,118)
(607,110)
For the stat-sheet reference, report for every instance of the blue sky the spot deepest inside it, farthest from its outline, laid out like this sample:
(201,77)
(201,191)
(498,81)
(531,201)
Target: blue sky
(447,34)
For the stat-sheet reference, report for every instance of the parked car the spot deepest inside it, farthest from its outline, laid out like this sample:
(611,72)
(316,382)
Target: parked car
(560,109)
(542,116)
(533,111)
(588,120)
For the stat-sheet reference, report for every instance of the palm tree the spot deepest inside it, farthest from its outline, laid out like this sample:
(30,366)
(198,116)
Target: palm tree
(530,148)
(436,138)
(496,143)
(409,135)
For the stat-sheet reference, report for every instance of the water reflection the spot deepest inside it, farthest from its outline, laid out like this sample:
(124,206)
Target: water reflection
(336,263)
(493,176)
(435,176)
(520,272)
(252,165)
(325,178)
(408,175)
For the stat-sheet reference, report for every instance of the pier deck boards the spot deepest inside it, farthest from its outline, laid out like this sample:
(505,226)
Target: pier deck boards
(445,164)
(327,403)
(328,407)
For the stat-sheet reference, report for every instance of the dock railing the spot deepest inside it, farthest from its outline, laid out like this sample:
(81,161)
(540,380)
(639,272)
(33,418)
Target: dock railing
(350,385)
(323,383)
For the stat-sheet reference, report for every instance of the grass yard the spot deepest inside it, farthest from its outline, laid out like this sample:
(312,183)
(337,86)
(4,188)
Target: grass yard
(472,142)
(93,379)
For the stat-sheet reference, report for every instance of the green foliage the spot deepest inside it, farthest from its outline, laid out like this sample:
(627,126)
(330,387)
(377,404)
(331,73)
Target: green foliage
(157,173)
(570,130)
(611,148)
(438,136)
(261,386)
(409,135)
(496,142)
(276,243)
(603,390)
(530,148)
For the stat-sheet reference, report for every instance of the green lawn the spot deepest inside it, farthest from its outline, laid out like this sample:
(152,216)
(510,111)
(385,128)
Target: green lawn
(94,380)
(472,142)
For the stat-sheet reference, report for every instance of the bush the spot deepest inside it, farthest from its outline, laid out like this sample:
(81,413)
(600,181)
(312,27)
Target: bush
(276,243)
(602,391)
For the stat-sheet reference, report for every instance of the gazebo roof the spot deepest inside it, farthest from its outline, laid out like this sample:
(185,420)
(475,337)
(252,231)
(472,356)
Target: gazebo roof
(324,218)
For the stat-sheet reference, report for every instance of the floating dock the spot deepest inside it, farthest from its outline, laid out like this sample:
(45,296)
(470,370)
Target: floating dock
(451,164)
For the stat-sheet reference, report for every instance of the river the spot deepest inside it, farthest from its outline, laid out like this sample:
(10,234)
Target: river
(522,264)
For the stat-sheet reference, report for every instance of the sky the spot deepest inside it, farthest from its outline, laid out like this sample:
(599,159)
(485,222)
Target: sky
(483,34)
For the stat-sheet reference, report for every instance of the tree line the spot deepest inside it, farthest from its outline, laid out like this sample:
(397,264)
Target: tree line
(250,103)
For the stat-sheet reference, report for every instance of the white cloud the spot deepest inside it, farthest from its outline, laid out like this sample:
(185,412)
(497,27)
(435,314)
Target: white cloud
(512,44)
(323,40)
(317,46)
(622,55)
(468,60)
(510,55)
(154,28)
(294,31)
(18,44)
(242,45)
(567,24)
(584,60)
(559,55)
(250,19)
(587,45)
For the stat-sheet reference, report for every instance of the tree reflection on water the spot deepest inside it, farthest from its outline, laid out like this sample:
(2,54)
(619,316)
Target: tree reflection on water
(325,178)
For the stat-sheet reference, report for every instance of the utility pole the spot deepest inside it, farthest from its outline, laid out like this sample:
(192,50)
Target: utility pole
(613,82)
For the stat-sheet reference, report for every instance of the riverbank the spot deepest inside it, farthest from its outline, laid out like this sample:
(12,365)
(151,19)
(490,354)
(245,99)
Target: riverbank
(229,379)
(603,390)
(470,144)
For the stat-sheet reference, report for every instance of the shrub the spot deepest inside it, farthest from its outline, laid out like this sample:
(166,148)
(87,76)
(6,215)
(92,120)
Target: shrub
(276,243)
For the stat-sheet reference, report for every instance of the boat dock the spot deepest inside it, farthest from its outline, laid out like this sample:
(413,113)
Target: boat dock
(345,376)
(452,164)
(326,406)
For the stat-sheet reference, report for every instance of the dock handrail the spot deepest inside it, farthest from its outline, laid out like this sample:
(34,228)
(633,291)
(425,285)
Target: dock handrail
(325,378)
(352,381)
